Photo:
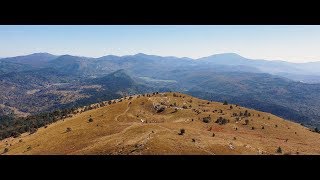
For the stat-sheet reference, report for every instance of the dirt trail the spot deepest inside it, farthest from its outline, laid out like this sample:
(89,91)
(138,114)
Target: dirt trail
(125,112)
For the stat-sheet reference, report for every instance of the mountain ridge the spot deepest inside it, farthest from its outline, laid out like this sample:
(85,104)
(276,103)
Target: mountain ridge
(165,123)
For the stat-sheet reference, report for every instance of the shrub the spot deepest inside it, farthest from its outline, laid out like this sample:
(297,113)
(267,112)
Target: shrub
(182,131)
(252,128)
(213,134)
(316,130)
(246,122)
(262,127)
(5,150)
(68,129)
(221,121)
(184,107)
(206,119)
(275,125)
(246,113)
(279,150)
(90,120)
(231,107)
(225,103)
(193,140)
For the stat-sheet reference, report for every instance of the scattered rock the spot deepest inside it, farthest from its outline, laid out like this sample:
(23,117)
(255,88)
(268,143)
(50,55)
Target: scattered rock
(231,146)
(159,108)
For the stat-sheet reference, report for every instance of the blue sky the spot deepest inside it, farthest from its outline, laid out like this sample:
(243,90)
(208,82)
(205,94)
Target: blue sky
(289,43)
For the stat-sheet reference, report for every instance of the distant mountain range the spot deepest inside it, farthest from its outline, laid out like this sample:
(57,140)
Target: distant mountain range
(305,72)
(43,82)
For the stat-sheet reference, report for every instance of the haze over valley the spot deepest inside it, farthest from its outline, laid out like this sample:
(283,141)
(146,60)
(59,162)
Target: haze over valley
(224,103)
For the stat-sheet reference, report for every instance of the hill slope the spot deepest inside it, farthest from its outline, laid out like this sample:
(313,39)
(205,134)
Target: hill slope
(150,124)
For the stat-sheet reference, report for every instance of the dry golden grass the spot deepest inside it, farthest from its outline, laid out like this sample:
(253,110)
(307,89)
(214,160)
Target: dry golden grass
(134,127)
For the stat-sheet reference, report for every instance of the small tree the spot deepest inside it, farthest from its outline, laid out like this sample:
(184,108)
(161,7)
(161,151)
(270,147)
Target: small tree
(316,130)
(246,113)
(225,103)
(206,119)
(182,131)
(279,150)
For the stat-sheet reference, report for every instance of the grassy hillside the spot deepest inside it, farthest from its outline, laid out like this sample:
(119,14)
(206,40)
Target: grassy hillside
(167,123)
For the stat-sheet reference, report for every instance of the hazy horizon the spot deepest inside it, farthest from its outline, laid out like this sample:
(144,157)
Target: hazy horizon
(292,43)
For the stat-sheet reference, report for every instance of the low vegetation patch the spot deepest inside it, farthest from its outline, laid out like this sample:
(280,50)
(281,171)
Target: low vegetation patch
(206,119)
(182,131)
(68,129)
(221,121)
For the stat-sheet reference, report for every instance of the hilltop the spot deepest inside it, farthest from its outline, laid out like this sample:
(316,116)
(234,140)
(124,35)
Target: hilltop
(166,123)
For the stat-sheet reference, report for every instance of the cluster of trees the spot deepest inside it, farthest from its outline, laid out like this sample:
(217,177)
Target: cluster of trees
(13,127)
(221,121)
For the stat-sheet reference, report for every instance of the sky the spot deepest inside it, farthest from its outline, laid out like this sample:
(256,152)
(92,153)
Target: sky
(288,43)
